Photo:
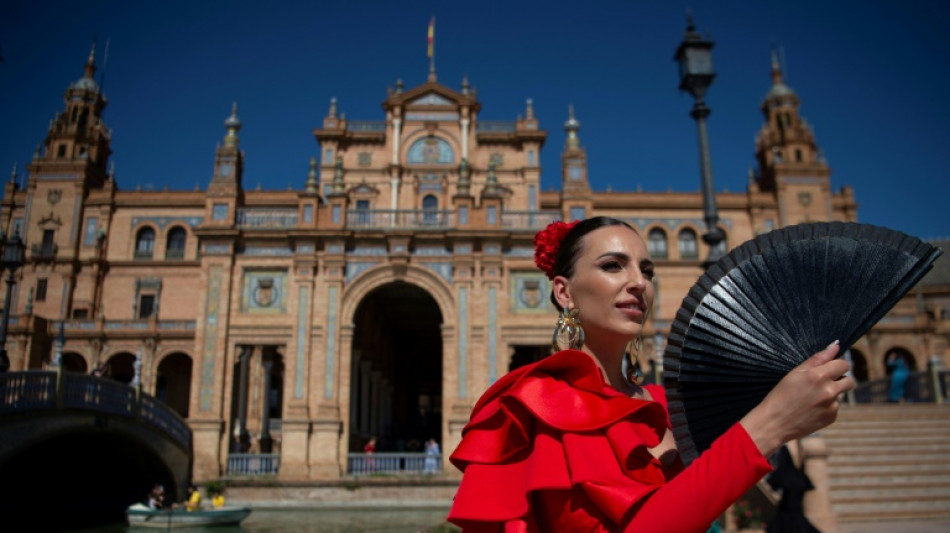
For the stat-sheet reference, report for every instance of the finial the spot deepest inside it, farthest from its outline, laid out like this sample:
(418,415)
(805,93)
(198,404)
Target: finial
(491,183)
(111,170)
(233,125)
(90,68)
(529,112)
(776,66)
(311,185)
(39,151)
(464,182)
(399,86)
(338,186)
(465,86)
(690,26)
(13,174)
(332,113)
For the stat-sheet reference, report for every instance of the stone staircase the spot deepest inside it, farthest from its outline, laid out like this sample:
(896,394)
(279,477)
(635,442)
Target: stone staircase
(889,462)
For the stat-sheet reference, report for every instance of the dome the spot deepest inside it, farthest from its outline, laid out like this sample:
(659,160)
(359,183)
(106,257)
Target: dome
(779,90)
(85,84)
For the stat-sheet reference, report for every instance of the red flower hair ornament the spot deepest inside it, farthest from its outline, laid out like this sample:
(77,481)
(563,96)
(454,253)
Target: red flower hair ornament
(546,244)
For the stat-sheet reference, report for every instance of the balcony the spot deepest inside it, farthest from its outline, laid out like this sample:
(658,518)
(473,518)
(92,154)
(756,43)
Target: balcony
(44,252)
(416,219)
(268,218)
(528,220)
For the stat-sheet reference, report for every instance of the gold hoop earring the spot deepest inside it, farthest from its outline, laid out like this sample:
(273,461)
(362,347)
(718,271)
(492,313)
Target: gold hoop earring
(568,330)
(634,375)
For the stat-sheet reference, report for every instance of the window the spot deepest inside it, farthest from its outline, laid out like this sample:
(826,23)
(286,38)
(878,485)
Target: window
(41,290)
(89,235)
(798,155)
(80,314)
(656,244)
(61,151)
(362,212)
(175,249)
(688,246)
(578,213)
(430,207)
(219,212)
(48,247)
(146,305)
(145,243)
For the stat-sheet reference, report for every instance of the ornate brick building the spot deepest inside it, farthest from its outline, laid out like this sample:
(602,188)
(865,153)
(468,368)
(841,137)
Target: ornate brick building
(381,297)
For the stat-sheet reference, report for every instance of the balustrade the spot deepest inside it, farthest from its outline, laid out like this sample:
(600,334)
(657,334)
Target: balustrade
(361,464)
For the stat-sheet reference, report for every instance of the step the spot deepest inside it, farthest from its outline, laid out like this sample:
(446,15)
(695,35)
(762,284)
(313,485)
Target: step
(875,512)
(922,460)
(908,447)
(893,482)
(906,494)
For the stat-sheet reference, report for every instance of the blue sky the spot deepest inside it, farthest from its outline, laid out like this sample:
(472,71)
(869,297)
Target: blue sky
(872,78)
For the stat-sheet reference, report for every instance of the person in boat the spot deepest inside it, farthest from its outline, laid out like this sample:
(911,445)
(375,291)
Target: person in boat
(217,498)
(156,497)
(575,442)
(193,503)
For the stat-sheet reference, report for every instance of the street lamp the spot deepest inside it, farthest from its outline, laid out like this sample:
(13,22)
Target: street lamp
(694,56)
(12,259)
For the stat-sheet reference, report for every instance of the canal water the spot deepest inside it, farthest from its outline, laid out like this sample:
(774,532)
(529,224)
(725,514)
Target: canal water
(297,520)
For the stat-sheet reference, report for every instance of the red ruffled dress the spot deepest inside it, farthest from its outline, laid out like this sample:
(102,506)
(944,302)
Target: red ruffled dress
(551,447)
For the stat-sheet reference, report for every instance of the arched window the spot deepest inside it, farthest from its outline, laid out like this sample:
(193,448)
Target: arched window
(656,244)
(430,208)
(175,248)
(145,243)
(688,245)
(430,150)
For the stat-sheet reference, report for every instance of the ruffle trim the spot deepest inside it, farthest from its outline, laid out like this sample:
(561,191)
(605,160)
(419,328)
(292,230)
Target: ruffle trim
(556,424)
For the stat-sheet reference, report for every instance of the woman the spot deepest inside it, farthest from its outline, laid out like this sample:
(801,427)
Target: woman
(790,479)
(899,374)
(572,443)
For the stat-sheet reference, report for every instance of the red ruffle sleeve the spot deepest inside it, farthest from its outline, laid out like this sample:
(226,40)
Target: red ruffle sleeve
(551,447)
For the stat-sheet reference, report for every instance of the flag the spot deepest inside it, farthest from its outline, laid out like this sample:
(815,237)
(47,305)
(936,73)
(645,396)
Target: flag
(431,38)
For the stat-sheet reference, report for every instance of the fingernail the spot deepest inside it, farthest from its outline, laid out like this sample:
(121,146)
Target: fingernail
(835,343)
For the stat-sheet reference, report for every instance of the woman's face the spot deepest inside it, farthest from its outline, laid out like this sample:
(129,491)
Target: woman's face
(612,284)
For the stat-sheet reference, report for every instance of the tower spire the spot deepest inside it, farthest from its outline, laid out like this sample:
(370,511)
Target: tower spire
(572,126)
(233,125)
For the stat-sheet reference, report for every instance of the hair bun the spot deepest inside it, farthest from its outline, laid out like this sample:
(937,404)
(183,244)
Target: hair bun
(546,244)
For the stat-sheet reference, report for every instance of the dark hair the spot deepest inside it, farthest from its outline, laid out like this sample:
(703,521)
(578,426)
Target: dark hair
(570,246)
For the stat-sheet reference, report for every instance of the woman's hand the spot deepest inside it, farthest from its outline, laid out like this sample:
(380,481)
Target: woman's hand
(805,401)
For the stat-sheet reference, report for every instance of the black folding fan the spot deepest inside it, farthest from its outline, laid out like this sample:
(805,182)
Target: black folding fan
(770,304)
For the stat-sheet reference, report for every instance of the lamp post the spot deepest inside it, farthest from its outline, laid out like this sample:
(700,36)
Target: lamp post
(694,56)
(12,259)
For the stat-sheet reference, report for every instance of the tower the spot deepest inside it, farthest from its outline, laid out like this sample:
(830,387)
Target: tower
(575,188)
(791,165)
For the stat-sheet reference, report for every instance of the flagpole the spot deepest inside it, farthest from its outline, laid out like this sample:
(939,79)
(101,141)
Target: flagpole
(431,49)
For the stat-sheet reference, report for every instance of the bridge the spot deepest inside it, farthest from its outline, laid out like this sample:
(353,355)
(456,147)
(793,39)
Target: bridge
(76,450)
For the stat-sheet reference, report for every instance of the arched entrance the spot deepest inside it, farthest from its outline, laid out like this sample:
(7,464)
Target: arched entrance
(122,367)
(859,366)
(173,382)
(396,376)
(73,362)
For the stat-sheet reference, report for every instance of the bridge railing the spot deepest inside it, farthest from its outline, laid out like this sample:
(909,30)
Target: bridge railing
(27,391)
(33,390)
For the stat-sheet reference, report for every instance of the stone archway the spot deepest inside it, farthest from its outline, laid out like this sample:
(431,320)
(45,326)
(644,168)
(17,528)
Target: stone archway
(859,365)
(74,362)
(396,369)
(173,382)
(121,367)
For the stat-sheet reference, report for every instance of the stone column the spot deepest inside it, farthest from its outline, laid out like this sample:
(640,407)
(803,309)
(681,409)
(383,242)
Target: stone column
(817,502)
(266,442)
(244,439)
